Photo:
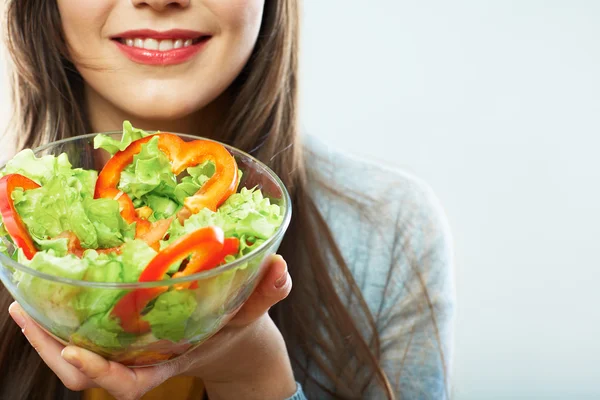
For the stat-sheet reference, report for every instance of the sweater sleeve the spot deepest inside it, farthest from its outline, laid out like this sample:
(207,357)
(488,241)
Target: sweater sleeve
(416,322)
(299,395)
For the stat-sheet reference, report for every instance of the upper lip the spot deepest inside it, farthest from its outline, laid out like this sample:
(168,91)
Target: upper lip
(169,34)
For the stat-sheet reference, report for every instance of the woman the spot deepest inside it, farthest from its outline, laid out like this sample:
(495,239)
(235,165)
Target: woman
(368,249)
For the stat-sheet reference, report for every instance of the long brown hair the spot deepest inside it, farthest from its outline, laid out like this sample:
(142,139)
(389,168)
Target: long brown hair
(340,341)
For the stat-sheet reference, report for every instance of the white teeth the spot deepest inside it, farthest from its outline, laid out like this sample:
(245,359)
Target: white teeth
(160,45)
(151,44)
(165,45)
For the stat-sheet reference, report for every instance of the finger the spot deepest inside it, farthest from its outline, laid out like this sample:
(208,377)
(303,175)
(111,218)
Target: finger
(121,382)
(49,350)
(274,287)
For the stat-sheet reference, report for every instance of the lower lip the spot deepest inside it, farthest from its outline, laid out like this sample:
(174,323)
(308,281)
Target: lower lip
(155,57)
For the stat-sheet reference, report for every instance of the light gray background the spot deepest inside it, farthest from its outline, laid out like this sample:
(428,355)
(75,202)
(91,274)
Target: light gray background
(495,104)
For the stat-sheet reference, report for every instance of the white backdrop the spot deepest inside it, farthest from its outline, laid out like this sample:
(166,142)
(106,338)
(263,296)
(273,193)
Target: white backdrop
(496,104)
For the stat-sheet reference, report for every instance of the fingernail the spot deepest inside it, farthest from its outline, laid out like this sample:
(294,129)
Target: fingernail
(70,356)
(280,282)
(17,315)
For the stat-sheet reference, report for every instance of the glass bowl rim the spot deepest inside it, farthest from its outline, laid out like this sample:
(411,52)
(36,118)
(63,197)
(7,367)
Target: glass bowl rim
(287,207)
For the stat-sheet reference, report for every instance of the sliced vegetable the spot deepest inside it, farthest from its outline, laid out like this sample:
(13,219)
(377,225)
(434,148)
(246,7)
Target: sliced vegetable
(11,220)
(143,212)
(74,246)
(156,233)
(182,155)
(129,308)
(198,264)
(170,313)
(203,242)
(128,211)
(158,191)
(41,169)
(126,205)
(113,146)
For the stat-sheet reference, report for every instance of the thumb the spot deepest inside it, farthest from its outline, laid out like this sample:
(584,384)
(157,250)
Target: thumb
(274,287)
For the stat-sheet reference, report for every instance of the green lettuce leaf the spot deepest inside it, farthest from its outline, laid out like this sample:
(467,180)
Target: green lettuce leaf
(40,170)
(53,209)
(246,215)
(3,236)
(99,330)
(170,313)
(111,228)
(135,256)
(61,205)
(162,207)
(130,134)
(149,172)
(67,305)
(197,176)
(59,246)
(52,299)
(100,268)
(84,181)
(149,180)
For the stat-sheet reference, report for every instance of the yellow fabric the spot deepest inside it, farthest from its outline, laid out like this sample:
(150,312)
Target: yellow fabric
(178,388)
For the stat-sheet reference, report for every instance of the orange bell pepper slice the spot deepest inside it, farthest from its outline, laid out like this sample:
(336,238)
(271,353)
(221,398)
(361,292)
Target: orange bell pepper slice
(205,262)
(12,221)
(182,155)
(206,242)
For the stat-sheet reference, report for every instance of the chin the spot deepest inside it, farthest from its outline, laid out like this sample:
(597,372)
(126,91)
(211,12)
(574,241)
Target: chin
(152,106)
(153,111)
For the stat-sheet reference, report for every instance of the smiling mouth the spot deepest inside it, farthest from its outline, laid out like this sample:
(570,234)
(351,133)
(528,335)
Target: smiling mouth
(161,44)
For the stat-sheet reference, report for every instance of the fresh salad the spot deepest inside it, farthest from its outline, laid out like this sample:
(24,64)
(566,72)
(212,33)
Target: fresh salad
(161,208)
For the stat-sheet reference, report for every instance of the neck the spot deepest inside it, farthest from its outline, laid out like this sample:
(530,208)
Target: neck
(105,117)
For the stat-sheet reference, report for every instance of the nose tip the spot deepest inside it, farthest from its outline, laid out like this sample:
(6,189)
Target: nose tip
(160,5)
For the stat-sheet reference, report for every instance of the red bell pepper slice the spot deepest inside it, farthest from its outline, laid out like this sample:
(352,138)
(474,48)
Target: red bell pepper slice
(152,237)
(12,221)
(125,204)
(73,244)
(182,155)
(128,309)
(144,229)
(155,233)
(197,263)
(127,209)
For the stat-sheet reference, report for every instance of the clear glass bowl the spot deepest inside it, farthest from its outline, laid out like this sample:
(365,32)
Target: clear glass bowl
(219,295)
